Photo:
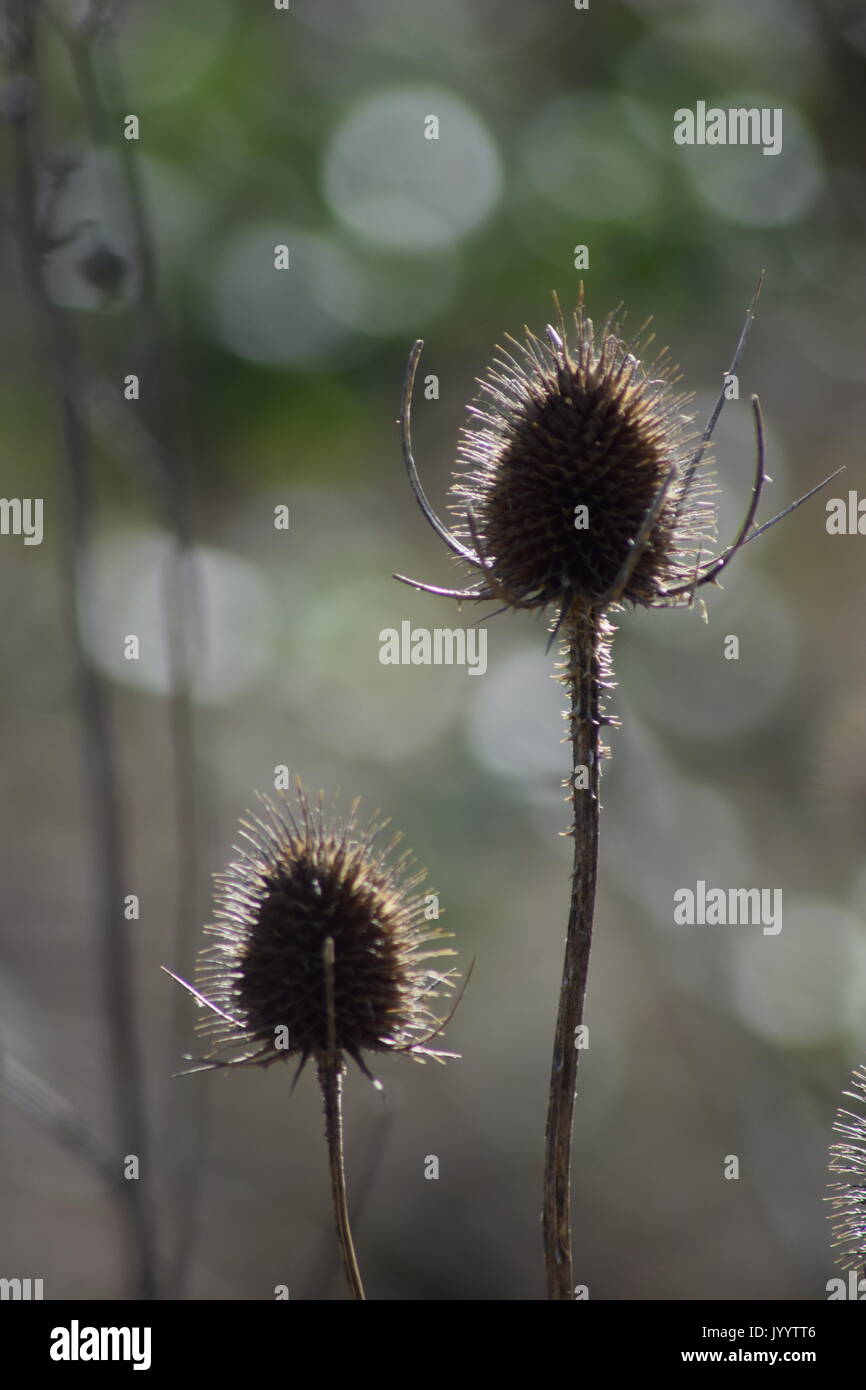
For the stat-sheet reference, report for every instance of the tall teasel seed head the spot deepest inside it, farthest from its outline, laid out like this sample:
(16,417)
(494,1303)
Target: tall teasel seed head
(320,944)
(848,1203)
(558,428)
(577,485)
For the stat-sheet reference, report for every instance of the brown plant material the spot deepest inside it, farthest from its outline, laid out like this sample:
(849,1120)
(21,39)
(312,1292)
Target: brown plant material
(557,430)
(320,951)
(299,883)
(580,488)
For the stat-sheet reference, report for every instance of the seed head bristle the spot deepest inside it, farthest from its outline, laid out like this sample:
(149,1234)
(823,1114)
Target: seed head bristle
(848,1203)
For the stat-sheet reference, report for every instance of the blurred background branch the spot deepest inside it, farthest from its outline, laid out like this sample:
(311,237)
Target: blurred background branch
(58,346)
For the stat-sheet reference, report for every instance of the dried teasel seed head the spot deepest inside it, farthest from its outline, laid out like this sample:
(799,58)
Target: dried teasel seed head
(567,452)
(848,1203)
(320,944)
(577,485)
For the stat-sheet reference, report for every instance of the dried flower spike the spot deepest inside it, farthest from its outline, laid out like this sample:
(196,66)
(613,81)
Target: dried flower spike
(578,489)
(848,1203)
(578,483)
(321,944)
(567,457)
(296,884)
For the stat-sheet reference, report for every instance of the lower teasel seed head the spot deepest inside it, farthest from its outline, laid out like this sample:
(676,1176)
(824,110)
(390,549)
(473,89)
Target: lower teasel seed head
(560,428)
(275,986)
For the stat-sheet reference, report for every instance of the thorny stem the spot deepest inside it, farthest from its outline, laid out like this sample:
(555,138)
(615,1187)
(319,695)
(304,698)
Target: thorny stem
(330,1071)
(585,647)
(59,347)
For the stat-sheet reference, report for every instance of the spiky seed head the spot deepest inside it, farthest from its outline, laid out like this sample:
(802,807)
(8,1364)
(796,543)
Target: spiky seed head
(296,884)
(848,1203)
(557,428)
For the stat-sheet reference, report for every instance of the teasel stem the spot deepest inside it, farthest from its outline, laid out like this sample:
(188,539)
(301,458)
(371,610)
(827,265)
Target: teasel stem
(330,1071)
(586,634)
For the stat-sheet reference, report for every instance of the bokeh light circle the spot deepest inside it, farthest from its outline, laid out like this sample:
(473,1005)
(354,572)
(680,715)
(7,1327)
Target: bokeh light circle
(391,184)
